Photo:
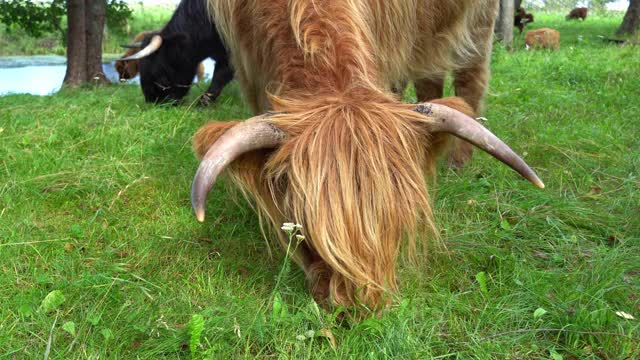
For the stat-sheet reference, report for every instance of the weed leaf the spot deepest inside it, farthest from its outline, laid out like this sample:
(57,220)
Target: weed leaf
(481,277)
(70,328)
(196,327)
(504,224)
(52,301)
(554,355)
(279,311)
(539,312)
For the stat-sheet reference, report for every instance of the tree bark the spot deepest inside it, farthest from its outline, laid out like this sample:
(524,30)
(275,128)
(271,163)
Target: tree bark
(94,26)
(76,44)
(517,4)
(505,22)
(86,20)
(631,21)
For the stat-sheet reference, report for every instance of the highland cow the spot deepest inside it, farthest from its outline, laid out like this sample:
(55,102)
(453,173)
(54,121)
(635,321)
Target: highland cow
(578,13)
(170,58)
(129,69)
(332,147)
(543,38)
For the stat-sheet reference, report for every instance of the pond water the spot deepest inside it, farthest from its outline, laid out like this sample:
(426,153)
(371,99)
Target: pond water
(43,75)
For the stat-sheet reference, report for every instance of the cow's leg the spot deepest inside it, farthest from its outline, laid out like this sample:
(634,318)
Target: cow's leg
(470,84)
(222,75)
(399,88)
(427,90)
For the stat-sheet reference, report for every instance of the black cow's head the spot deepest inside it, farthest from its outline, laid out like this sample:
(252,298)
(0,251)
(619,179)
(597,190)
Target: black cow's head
(167,66)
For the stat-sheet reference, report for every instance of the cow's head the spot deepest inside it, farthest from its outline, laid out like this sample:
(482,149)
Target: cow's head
(166,67)
(127,69)
(350,172)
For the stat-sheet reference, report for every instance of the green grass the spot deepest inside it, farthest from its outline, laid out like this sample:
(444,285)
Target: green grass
(94,204)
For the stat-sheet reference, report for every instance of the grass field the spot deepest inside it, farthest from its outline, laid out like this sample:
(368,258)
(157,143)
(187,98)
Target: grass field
(101,256)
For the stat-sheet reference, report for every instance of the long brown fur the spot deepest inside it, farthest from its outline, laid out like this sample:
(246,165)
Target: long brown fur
(353,169)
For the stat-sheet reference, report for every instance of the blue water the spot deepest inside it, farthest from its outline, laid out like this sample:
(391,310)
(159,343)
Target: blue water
(43,75)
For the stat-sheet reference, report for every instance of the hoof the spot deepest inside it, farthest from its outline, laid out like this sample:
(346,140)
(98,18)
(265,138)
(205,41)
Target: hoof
(207,99)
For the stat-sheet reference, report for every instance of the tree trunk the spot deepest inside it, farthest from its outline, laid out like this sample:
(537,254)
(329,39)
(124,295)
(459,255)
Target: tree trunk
(94,26)
(631,21)
(517,4)
(505,22)
(84,42)
(76,44)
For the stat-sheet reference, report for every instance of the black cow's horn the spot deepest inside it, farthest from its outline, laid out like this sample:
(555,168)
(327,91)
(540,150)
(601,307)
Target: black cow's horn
(456,123)
(136,45)
(154,45)
(249,135)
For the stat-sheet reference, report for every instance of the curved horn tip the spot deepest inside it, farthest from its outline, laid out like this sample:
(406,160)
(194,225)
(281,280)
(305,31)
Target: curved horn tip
(537,182)
(200,213)
(455,122)
(198,205)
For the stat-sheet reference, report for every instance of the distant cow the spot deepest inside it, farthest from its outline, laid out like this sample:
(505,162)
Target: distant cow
(544,38)
(578,13)
(169,59)
(129,69)
(521,19)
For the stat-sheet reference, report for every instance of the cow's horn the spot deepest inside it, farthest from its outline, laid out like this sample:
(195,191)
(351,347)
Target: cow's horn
(154,44)
(136,45)
(252,134)
(456,123)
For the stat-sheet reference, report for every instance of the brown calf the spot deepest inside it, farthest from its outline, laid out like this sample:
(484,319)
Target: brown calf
(578,13)
(544,38)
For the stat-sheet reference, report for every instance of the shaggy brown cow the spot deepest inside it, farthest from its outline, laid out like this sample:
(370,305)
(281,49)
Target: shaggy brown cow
(129,69)
(522,19)
(578,13)
(334,150)
(543,38)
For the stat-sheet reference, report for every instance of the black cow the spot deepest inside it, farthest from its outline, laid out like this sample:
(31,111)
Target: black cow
(169,59)
(522,19)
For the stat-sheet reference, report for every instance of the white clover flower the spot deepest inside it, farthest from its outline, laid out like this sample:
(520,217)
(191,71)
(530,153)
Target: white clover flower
(298,226)
(287,228)
(300,237)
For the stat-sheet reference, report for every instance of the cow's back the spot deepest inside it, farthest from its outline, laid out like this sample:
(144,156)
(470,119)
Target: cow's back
(275,44)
